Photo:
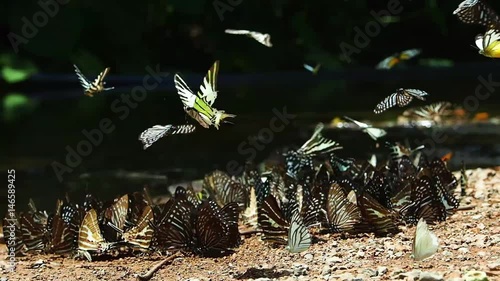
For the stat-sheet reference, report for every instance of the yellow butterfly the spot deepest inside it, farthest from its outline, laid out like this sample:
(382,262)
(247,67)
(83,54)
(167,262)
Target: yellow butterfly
(95,87)
(489,43)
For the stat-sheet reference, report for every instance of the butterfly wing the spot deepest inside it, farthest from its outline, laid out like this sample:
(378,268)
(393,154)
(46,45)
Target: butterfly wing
(318,144)
(342,215)
(237,32)
(387,103)
(264,39)
(86,84)
(425,243)
(409,54)
(299,238)
(419,94)
(151,135)
(208,90)
(477,12)
(187,97)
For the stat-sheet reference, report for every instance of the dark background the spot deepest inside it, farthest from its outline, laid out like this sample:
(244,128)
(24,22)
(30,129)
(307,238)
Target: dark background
(187,36)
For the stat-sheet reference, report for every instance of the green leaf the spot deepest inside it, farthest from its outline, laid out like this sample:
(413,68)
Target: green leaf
(15,105)
(16,70)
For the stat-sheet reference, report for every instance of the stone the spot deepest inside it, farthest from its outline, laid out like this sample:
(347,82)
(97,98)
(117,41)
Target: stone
(430,276)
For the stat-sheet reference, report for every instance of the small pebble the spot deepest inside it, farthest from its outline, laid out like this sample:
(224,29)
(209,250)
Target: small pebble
(474,275)
(326,270)
(308,257)
(334,260)
(299,269)
(430,276)
(463,250)
(381,270)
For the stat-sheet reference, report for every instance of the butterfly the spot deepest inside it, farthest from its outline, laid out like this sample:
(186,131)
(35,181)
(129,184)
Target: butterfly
(151,135)
(314,70)
(425,243)
(12,233)
(34,235)
(200,107)
(425,203)
(430,114)
(65,224)
(140,236)
(224,189)
(216,229)
(114,218)
(299,238)
(317,144)
(401,97)
(464,180)
(374,133)
(90,237)
(489,43)
(173,227)
(396,58)
(341,213)
(477,12)
(264,39)
(92,88)
(381,219)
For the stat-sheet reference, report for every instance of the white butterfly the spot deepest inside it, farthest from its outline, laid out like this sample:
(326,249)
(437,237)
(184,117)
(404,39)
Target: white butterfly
(151,135)
(299,238)
(264,39)
(374,133)
(95,87)
(314,70)
(489,43)
(425,243)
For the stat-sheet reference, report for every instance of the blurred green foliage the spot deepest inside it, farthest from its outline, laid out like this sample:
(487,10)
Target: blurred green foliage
(16,105)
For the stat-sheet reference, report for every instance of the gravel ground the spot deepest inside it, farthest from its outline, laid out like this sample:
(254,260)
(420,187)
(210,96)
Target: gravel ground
(469,246)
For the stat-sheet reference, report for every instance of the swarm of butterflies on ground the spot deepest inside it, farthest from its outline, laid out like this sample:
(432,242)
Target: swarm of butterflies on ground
(306,191)
(310,190)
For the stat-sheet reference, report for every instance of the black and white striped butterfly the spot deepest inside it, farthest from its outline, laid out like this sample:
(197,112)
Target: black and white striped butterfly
(401,97)
(477,12)
(264,39)
(299,238)
(342,214)
(151,135)
(95,87)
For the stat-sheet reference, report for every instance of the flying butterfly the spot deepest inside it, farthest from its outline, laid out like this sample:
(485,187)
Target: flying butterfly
(314,70)
(489,43)
(374,133)
(92,88)
(425,242)
(264,39)
(402,97)
(299,238)
(477,12)
(151,135)
(396,58)
(200,107)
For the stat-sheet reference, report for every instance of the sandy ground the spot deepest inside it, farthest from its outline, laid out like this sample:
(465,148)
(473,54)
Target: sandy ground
(469,241)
